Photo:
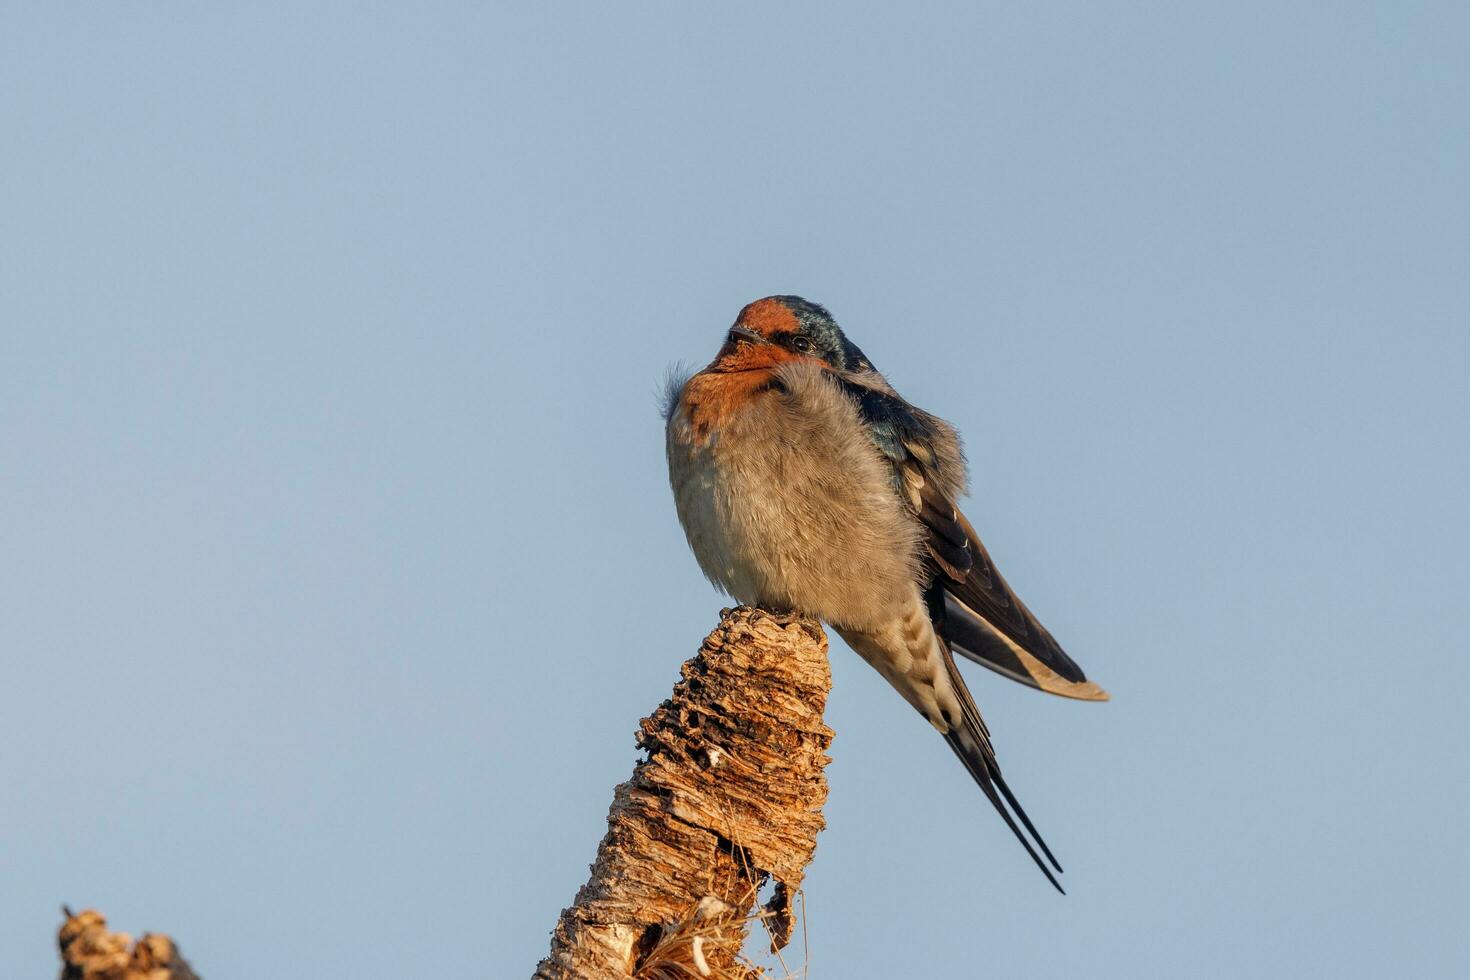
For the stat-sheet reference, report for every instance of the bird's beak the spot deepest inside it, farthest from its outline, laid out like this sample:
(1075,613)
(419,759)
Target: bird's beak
(738,332)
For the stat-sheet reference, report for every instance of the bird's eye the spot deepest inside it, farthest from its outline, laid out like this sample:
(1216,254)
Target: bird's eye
(801,344)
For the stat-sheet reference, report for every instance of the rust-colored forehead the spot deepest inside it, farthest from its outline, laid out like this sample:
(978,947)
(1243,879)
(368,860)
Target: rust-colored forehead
(768,316)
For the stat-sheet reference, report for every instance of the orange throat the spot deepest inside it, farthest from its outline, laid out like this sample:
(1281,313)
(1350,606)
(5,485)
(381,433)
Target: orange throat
(738,375)
(712,398)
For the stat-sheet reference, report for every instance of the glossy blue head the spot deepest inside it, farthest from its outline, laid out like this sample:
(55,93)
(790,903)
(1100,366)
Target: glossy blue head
(803,328)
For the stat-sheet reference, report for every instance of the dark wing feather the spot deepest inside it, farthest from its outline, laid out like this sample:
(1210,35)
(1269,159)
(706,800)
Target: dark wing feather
(970,741)
(983,619)
(987,622)
(980,616)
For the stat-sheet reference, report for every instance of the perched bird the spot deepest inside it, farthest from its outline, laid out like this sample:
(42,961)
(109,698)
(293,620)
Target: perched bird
(806,484)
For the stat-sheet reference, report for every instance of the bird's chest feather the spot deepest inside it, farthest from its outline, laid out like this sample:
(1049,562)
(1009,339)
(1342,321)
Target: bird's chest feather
(785,500)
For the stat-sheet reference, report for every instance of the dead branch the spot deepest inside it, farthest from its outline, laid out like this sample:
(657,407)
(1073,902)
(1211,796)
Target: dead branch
(90,952)
(729,800)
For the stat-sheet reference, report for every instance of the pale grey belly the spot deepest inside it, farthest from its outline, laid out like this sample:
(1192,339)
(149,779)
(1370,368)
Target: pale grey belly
(792,526)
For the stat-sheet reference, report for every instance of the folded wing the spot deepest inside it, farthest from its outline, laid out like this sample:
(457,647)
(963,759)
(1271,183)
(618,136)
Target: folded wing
(981,617)
(973,608)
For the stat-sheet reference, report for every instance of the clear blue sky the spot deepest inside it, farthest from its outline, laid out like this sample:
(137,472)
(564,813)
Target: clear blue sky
(339,559)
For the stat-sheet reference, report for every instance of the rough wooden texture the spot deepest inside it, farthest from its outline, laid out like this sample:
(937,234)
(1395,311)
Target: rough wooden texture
(90,952)
(729,799)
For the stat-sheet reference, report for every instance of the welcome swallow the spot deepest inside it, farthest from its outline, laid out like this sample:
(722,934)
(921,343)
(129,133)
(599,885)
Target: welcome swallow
(806,483)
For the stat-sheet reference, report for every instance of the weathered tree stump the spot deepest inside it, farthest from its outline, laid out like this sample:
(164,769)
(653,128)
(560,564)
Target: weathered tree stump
(729,800)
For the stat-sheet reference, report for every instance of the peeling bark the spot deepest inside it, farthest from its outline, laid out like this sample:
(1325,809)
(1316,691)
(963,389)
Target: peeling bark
(90,952)
(729,799)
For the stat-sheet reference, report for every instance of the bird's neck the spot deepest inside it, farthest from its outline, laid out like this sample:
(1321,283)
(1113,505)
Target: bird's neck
(712,397)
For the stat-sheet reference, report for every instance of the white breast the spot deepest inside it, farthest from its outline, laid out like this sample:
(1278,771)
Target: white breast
(791,506)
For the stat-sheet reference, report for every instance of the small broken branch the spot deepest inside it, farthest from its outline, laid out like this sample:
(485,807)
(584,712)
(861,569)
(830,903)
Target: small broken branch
(729,800)
(90,952)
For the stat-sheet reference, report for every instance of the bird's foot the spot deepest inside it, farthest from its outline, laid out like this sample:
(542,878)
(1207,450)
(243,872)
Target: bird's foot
(785,618)
(781,617)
